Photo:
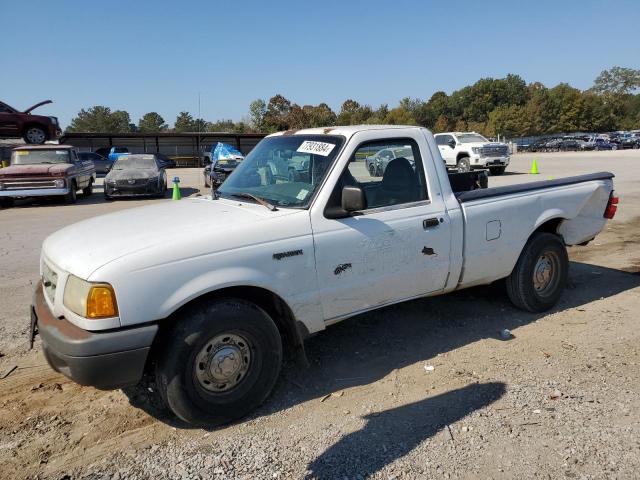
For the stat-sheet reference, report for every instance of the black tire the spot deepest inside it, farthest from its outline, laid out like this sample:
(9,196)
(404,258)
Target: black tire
(6,202)
(108,198)
(463,164)
(71,197)
(35,134)
(88,190)
(497,171)
(179,372)
(521,284)
(372,170)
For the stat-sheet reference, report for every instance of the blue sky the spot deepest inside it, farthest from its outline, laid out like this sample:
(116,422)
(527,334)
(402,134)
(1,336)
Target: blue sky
(156,56)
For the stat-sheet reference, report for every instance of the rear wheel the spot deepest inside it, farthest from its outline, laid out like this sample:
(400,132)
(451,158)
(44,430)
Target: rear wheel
(463,164)
(6,202)
(220,361)
(497,170)
(539,277)
(71,197)
(35,135)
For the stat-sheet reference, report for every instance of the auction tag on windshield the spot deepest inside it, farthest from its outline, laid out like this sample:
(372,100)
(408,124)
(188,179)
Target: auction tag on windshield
(61,152)
(302,194)
(319,148)
(22,152)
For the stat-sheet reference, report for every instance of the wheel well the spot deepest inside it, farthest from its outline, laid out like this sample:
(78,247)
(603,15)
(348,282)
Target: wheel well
(550,226)
(292,332)
(461,155)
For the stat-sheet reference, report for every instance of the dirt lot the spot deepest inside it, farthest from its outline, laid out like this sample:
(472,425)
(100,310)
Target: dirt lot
(559,399)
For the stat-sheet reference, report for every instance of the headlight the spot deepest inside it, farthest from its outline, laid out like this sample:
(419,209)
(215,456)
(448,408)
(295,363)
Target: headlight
(90,300)
(59,183)
(54,120)
(475,149)
(110,182)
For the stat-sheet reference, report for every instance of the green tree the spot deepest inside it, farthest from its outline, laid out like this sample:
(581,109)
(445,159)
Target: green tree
(617,81)
(184,123)
(276,117)
(400,116)
(152,122)
(257,113)
(100,119)
(320,116)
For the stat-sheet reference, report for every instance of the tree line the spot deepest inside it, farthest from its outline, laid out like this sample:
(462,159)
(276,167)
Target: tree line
(505,106)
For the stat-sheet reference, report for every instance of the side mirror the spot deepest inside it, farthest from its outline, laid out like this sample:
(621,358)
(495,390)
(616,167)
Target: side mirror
(353,199)
(452,143)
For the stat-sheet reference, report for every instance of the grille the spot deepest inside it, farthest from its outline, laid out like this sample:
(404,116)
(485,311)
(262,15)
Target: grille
(137,181)
(494,151)
(27,184)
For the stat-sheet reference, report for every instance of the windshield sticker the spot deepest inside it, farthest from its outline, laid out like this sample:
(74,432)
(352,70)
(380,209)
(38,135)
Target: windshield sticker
(319,148)
(61,152)
(22,152)
(302,194)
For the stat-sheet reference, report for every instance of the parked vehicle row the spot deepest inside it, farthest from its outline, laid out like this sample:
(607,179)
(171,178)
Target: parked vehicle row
(60,171)
(583,143)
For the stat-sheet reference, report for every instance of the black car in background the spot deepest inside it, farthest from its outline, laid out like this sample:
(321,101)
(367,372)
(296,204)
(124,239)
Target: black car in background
(221,170)
(569,145)
(136,175)
(629,142)
(164,161)
(103,165)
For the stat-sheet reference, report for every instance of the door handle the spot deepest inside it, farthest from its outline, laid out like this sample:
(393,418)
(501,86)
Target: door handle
(430,222)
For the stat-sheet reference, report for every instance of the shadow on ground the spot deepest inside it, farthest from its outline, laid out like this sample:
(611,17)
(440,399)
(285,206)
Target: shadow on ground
(393,433)
(368,347)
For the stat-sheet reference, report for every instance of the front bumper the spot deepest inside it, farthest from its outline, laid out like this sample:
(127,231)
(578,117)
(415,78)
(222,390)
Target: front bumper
(133,190)
(34,192)
(487,162)
(105,360)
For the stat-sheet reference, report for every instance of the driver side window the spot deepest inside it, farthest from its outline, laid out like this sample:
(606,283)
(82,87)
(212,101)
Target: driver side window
(390,173)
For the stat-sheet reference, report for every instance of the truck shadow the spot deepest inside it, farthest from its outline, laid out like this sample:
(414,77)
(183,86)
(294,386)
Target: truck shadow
(393,433)
(366,348)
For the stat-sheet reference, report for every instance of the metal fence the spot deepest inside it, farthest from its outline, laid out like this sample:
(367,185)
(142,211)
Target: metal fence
(185,148)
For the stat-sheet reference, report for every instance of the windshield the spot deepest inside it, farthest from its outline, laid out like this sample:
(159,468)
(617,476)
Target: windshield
(470,138)
(135,162)
(34,157)
(284,170)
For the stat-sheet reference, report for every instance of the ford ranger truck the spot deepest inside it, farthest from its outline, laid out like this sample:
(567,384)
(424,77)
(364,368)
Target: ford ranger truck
(262,264)
(46,171)
(467,150)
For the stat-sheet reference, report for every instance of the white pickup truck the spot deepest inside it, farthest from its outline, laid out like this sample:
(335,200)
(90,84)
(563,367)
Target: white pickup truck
(209,297)
(467,150)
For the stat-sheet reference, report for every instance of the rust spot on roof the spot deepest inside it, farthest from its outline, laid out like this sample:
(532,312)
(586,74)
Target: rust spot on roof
(327,130)
(289,132)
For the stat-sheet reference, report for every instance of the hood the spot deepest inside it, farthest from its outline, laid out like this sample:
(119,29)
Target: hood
(175,228)
(132,174)
(30,109)
(41,169)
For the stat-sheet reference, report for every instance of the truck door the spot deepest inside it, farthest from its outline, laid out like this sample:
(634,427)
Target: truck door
(396,248)
(9,121)
(446,150)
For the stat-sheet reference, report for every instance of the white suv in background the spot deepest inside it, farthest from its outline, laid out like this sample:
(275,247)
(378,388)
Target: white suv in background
(467,150)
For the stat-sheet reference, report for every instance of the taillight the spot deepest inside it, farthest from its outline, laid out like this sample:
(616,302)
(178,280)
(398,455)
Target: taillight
(612,206)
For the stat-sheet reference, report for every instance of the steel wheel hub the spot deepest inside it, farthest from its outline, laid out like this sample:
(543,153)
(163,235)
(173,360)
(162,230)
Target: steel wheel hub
(223,362)
(35,135)
(544,273)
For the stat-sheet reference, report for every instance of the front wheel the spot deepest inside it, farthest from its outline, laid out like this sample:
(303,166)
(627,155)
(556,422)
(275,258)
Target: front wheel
(71,197)
(539,277)
(35,135)
(497,170)
(6,202)
(220,361)
(463,165)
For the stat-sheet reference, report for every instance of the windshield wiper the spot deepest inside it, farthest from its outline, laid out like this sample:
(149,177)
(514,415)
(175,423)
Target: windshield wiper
(261,201)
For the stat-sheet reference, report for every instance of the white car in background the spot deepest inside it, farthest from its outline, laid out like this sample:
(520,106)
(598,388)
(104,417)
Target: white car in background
(467,150)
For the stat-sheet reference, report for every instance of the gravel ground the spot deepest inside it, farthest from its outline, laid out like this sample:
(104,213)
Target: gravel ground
(425,389)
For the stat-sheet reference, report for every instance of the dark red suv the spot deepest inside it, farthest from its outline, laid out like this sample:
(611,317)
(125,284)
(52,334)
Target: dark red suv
(33,128)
